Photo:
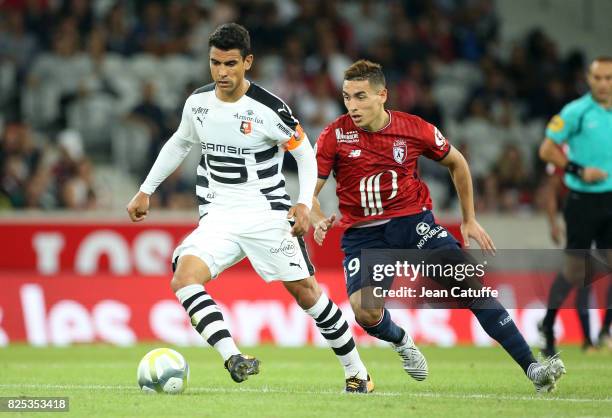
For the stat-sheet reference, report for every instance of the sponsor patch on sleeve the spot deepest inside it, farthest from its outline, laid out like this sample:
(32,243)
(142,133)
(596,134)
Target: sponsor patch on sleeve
(556,124)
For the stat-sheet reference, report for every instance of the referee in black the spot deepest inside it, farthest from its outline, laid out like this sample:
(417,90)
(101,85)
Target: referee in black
(585,124)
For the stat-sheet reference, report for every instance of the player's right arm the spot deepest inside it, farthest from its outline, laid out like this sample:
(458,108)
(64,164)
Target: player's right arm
(558,130)
(319,221)
(325,150)
(170,157)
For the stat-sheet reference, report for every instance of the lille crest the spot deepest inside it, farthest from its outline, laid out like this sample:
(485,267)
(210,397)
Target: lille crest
(399,151)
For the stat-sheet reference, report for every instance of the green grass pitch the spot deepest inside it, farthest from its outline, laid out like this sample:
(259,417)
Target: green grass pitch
(306,382)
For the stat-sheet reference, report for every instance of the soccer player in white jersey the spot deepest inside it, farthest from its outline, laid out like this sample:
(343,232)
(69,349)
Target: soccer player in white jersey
(244,209)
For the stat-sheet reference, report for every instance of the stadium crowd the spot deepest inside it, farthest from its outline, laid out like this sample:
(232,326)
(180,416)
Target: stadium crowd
(84,84)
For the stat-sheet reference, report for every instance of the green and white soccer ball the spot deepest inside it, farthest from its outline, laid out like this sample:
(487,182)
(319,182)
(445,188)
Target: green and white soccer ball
(163,370)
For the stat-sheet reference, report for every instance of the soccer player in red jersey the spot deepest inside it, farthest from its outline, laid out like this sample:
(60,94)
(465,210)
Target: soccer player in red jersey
(373,153)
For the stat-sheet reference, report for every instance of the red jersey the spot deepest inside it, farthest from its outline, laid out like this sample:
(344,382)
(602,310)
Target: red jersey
(376,172)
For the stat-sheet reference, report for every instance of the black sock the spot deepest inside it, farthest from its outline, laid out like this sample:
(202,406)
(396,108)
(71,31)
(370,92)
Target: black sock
(386,329)
(558,293)
(582,307)
(496,321)
(608,318)
(605,329)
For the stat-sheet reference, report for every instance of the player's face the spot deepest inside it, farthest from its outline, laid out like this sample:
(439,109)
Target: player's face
(600,81)
(227,69)
(365,103)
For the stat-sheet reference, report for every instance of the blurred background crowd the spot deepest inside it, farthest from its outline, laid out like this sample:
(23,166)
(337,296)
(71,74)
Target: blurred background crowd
(90,90)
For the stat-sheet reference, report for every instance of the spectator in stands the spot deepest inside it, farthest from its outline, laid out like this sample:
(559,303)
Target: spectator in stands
(55,76)
(518,72)
(178,28)
(434,32)
(318,106)
(73,173)
(82,13)
(21,162)
(119,31)
(328,58)
(408,90)
(78,192)
(16,45)
(177,194)
(151,33)
(291,83)
(150,114)
(427,108)
(494,89)
(508,180)
(75,61)
(549,100)
(479,133)
(403,38)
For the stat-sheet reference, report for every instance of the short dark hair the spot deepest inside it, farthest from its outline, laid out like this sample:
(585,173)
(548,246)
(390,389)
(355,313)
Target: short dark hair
(366,70)
(603,58)
(231,36)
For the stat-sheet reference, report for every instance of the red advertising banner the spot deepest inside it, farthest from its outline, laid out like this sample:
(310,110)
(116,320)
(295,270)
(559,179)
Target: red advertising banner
(118,248)
(89,248)
(69,309)
(65,283)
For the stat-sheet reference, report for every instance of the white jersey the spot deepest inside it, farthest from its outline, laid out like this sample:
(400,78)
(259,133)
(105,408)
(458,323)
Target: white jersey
(240,168)
(240,188)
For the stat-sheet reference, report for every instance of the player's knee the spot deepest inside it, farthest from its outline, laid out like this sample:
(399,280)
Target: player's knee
(305,292)
(574,272)
(181,280)
(189,271)
(366,317)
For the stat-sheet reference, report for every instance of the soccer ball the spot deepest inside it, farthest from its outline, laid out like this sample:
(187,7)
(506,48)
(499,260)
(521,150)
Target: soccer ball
(163,370)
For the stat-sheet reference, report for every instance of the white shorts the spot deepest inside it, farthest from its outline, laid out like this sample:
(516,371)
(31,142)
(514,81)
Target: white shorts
(267,243)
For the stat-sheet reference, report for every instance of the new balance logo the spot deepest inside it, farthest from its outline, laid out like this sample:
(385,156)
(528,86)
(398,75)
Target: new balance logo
(294,265)
(354,153)
(369,188)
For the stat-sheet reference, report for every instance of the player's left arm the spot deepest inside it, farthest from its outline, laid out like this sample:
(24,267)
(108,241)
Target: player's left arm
(286,131)
(462,179)
(307,176)
(306,161)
